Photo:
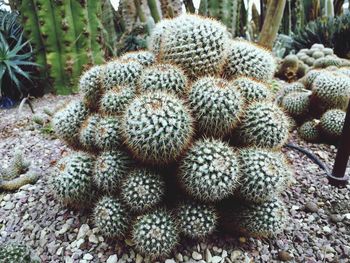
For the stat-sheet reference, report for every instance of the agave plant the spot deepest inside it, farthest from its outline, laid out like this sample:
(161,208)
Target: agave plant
(15,58)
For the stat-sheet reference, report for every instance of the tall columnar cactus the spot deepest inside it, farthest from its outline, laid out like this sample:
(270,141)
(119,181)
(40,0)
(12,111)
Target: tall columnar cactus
(66,36)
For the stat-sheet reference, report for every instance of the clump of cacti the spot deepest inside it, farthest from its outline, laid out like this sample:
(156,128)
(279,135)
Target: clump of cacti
(158,138)
(13,253)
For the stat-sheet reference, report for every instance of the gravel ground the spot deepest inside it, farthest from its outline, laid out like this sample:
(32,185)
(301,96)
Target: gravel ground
(318,230)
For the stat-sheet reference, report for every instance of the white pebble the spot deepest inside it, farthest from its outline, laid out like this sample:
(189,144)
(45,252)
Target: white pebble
(112,259)
(196,255)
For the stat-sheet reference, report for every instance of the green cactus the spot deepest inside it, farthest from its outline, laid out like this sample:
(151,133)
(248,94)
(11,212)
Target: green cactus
(157,127)
(216,105)
(332,90)
(121,72)
(332,123)
(310,131)
(17,166)
(297,103)
(90,85)
(66,36)
(163,77)
(142,190)
(15,253)
(209,170)
(115,100)
(67,121)
(253,90)
(73,182)
(108,135)
(310,76)
(87,133)
(155,234)
(196,220)
(246,59)
(265,125)
(111,217)
(263,220)
(263,174)
(145,58)
(111,167)
(195,36)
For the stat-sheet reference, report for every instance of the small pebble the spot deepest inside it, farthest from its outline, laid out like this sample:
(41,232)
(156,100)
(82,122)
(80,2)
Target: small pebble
(196,255)
(311,207)
(284,256)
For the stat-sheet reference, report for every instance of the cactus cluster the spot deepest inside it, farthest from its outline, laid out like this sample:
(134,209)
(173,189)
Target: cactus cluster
(155,142)
(318,100)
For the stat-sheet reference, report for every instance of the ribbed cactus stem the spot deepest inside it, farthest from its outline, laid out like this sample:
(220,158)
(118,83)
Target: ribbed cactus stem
(152,4)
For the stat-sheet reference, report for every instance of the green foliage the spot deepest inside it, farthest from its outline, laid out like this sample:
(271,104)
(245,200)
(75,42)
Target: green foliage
(16,66)
(209,170)
(156,233)
(111,217)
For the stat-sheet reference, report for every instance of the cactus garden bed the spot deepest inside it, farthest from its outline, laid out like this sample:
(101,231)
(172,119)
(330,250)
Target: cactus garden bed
(317,231)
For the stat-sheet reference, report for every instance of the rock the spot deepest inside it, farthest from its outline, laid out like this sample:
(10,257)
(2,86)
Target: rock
(216,259)
(88,256)
(208,255)
(9,206)
(112,259)
(179,257)
(83,231)
(93,239)
(139,258)
(79,243)
(235,254)
(224,254)
(170,261)
(327,229)
(335,218)
(196,255)
(284,256)
(63,230)
(311,207)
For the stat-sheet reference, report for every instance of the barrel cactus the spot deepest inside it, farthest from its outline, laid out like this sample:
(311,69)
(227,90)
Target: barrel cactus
(108,134)
(90,85)
(157,127)
(332,123)
(145,58)
(297,103)
(115,100)
(216,104)
(88,132)
(310,131)
(253,90)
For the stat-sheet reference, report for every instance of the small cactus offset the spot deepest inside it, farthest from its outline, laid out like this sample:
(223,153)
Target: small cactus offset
(332,123)
(310,131)
(154,135)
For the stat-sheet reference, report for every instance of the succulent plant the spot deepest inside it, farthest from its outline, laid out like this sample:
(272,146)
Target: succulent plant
(216,104)
(111,167)
(163,77)
(249,60)
(310,131)
(15,253)
(88,130)
(115,100)
(145,58)
(196,220)
(157,35)
(108,133)
(324,62)
(310,76)
(142,190)
(332,123)
(209,171)
(332,90)
(263,174)
(253,90)
(90,85)
(121,72)
(297,103)
(264,125)
(155,234)
(157,127)
(17,166)
(66,122)
(197,44)
(263,220)
(111,217)
(73,183)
